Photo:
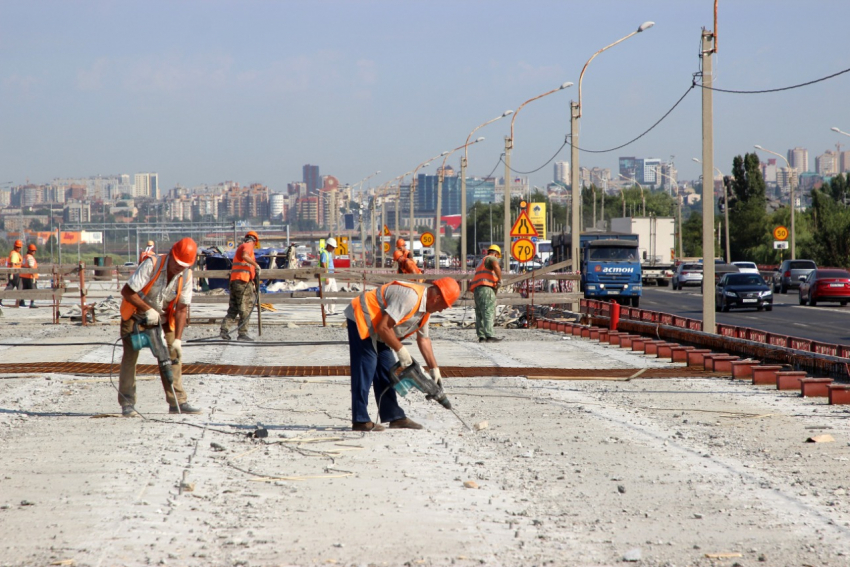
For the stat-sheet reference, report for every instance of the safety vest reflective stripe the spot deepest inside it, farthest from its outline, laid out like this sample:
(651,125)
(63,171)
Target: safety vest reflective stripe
(375,303)
(31,263)
(127,308)
(483,276)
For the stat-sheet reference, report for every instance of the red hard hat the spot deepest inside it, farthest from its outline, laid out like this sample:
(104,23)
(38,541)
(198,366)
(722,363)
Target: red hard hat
(397,255)
(400,243)
(18,244)
(31,248)
(184,252)
(449,288)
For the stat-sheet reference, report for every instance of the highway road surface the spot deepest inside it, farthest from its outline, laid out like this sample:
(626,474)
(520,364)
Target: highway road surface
(828,322)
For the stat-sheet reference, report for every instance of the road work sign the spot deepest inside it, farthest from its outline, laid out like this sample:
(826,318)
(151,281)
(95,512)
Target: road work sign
(523,227)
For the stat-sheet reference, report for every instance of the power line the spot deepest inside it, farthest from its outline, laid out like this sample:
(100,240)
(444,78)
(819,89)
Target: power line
(539,168)
(763,91)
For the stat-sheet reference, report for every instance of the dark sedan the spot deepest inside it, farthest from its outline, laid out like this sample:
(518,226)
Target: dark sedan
(825,285)
(742,290)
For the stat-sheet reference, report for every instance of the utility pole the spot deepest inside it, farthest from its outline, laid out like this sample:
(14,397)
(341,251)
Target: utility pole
(706,52)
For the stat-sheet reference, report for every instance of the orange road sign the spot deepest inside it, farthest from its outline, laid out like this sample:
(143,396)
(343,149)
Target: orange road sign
(386,231)
(386,246)
(522,250)
(523,227)
(780,233)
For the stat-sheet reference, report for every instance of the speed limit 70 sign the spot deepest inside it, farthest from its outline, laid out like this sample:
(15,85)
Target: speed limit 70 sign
(522,250)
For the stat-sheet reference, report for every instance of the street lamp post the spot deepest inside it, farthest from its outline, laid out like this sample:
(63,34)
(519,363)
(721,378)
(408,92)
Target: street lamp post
(575,114)
(509,143)
(463,165)
(725,208)
(425,163)
(793,200)
(362,226)
(438,220)
(675,184)
(642,196)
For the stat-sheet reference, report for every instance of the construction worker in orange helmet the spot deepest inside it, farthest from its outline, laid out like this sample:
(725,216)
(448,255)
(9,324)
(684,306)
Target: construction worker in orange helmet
(159,290)
(405,264)
(28,281)
(378,320)
(15,260)
(485,282)
(148,252)
(243,273)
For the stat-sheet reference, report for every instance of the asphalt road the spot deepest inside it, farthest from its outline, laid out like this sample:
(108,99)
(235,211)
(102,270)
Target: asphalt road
(828,322)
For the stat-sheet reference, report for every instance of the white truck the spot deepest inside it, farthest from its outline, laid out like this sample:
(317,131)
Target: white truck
(656,245)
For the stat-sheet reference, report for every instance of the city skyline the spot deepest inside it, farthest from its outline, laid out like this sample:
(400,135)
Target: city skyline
(236,98)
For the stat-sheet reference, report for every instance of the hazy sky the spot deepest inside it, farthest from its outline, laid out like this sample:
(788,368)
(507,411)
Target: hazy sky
(249,91)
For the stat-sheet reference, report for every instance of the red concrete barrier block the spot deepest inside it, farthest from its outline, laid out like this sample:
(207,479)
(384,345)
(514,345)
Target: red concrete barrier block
(815,387)
(639,344)
(680,353)
(724,364)
(615,339)
(546,323)
(610,336)
(626,341)
(789,380)
(594,334)
(710,362)
(577,330)
(651,347)
(765,375)
(603,335)
(585,333)
(666,350)
(839,394)
(696,357)
(743,368)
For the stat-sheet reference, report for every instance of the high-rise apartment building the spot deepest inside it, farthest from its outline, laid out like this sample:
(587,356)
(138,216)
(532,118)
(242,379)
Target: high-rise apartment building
(627,166)
(562,172)
(311,178)
(147,186)
(827,163)
(798,158)
(844,162)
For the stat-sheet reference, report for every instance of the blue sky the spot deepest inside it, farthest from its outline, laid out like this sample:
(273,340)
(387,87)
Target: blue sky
(249,91)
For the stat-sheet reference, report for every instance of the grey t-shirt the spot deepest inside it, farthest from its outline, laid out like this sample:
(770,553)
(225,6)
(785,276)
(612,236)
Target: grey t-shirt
(401,301)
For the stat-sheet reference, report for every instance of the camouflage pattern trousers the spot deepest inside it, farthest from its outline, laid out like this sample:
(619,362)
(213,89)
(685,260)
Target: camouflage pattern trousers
(242,301)
(485,311)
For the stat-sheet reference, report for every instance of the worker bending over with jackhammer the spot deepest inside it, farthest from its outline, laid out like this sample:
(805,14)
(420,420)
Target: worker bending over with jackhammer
(378,320)
(158,293)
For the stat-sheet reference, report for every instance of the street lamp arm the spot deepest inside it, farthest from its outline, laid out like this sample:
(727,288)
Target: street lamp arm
(758,147)
(834,129)
(463,147)
(563,86)
(505,113)
(643,26)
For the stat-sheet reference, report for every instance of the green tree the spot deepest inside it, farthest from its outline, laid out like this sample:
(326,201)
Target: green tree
(748,223)
(830,218)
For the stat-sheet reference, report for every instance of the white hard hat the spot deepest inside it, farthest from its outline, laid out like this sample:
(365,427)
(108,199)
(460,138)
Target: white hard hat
(330,242)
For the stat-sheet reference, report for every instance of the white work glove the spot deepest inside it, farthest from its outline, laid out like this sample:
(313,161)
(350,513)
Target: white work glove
(175,350)
(151,318)
(435,374)
(404,357)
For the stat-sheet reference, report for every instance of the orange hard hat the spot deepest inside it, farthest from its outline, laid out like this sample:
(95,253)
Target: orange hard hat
(18,244)
(31,248)
(449,289)
(184,252)
(400,243)
(397,255)
(254,235)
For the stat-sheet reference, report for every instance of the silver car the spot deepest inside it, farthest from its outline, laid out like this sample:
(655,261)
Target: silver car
(788,275)
(687,274)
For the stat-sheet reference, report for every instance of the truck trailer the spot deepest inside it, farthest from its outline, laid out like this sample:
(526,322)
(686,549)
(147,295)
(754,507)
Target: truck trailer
(657,245)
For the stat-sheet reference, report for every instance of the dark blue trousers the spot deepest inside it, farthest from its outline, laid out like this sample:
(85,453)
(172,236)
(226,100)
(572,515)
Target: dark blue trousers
(369,368)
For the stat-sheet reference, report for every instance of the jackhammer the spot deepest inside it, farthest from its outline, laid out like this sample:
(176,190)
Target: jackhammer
(404,379)
(154,338)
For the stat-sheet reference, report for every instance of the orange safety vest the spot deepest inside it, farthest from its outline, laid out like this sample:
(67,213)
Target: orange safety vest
(373,300)
(15,259)
(408,266)
(242,270)
(127,308)
(34,265)
(484,276)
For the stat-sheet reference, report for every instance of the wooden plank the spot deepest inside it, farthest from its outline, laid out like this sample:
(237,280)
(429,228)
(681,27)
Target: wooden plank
(28,294)
(537,273)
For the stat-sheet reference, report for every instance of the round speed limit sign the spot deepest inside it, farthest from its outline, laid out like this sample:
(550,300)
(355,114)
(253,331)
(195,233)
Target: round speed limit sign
(522,250)
(427,239)
(780,233)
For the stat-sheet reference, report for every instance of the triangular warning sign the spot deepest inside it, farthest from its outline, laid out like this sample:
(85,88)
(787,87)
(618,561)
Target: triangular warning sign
(523,227)
(386,231)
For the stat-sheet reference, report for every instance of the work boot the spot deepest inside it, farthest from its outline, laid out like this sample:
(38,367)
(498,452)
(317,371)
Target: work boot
(129,411)
(404,423)
(482,339)
(224,335)
(366,426)
(184,408)
(493,340)
(33,305)
(245,338)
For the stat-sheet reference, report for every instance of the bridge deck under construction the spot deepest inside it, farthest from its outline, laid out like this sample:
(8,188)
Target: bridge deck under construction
(93,368)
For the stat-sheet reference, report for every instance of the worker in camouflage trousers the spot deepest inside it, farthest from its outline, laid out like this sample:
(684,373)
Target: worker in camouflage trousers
(484,284)
(245,269)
